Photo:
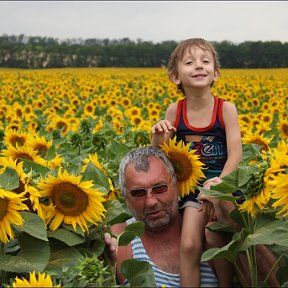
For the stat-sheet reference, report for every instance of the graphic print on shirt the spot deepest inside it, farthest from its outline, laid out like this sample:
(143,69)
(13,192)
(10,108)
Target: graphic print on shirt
(208,148)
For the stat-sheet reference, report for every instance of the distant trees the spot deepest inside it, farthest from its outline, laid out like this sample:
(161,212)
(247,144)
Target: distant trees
(46,52)
(250,54)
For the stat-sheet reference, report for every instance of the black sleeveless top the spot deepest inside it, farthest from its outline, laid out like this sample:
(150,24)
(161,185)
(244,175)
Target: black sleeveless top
(210,141)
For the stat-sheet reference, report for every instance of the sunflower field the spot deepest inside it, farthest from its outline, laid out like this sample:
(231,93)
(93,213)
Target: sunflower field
(63,133)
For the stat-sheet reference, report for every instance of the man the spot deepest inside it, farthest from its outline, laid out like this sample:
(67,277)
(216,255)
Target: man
(149,186)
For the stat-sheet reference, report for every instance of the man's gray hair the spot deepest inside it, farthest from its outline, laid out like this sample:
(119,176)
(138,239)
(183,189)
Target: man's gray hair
(139,157)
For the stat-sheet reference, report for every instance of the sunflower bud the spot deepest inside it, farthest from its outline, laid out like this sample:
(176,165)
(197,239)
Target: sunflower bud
(76,139)
(94,272)
(141,138)
(99,140)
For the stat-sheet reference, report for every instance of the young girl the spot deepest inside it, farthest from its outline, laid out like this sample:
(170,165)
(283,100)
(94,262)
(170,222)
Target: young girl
(210,125)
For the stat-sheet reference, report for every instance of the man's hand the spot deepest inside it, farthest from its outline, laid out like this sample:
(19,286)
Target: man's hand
(111,246)
(208,210)
(222,208)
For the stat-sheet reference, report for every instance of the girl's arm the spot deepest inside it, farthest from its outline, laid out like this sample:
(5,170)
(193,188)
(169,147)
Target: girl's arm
(163,129)
(233,138)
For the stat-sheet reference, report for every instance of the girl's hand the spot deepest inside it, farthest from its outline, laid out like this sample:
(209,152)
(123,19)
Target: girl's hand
(163,126)
(212,181)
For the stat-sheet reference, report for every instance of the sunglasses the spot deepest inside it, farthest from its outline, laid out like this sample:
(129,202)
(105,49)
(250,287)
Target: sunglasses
(156,190)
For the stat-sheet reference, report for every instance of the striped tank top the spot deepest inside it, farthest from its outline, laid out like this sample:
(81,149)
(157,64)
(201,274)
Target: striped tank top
(165,279)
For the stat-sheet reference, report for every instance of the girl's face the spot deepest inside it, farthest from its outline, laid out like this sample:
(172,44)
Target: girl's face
(196,69)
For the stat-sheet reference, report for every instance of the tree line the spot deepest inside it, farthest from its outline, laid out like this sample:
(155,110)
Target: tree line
(46,52)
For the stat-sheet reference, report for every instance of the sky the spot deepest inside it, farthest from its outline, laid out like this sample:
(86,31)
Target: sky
(155,21)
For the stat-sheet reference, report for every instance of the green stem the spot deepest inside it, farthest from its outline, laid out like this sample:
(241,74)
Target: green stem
(244,219)
(254,267)
(248,254)
(272,269)
(3,273)
(251,254)
(243,279)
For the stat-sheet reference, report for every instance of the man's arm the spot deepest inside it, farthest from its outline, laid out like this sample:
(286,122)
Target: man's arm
(117,253)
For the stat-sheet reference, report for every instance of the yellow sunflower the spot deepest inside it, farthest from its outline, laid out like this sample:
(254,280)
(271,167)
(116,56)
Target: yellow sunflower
(279,192)
(113,193)
(187,165)
(23,152)
(136,120)
(259,139)
(125,101)
(256,202)
(43,280)
(55,162)
(10,205)
(282,146)
(89,110)
(95,160)
(283,127)
(98,126)
(39,144)
(134,111)
(278,162)
(60,123)
(260,192)
(75,202)
(32,195)
(13,137)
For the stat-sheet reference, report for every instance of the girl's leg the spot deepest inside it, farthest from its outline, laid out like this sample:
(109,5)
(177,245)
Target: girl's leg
(191,247)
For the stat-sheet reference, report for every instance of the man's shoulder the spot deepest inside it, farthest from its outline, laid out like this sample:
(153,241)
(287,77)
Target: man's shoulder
(118,228)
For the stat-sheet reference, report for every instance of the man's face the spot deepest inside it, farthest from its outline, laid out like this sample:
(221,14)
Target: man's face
(155,210)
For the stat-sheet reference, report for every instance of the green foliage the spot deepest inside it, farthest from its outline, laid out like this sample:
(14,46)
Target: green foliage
(138,273)
(265,228)
(9,179)
(132,230)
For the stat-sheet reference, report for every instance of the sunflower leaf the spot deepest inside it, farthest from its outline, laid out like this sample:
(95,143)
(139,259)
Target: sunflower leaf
(228,252)
(68,237)
(221,192)
(97,176)
(29,165)
(33,225)
(63,258)
(9,179)
(138,273)
(117,151)
(251,151)
(130,232)
(268,231)
(117,213)
(33,257)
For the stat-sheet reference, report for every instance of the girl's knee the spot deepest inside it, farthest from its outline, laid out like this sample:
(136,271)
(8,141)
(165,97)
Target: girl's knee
(189,246)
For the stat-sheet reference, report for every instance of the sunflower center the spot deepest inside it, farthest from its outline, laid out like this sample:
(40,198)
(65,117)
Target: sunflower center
(69,199)
(24,156)
(42,149)
(182,166)
(3,207)
(285,129)
(20,188)
(17,140)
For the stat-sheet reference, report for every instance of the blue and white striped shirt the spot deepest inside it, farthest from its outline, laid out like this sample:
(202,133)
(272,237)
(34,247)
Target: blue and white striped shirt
(162,278)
